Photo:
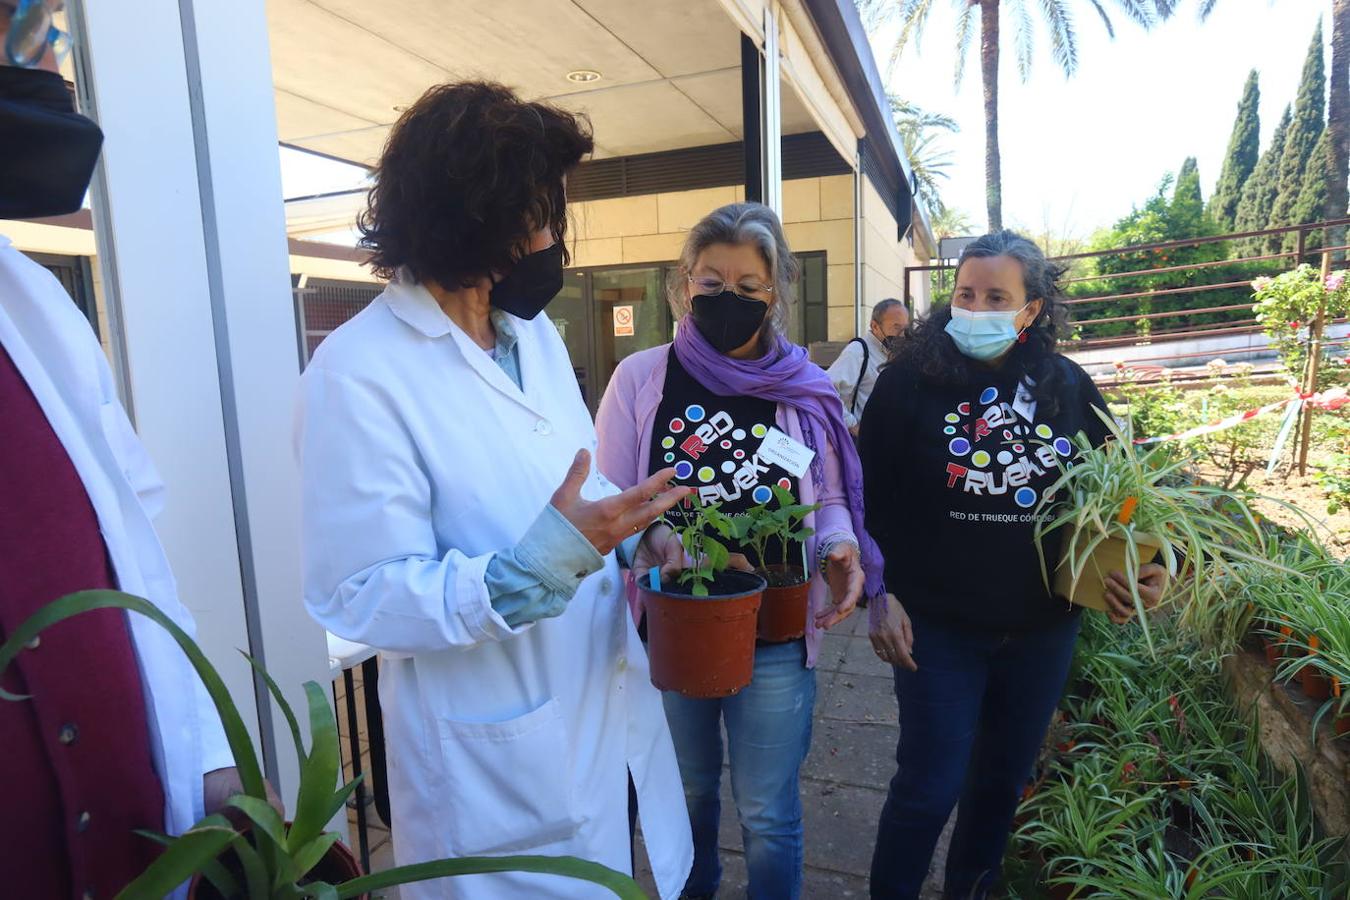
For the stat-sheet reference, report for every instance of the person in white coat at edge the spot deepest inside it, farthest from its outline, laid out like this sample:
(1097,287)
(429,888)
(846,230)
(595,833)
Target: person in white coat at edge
(118,733)
(452,518)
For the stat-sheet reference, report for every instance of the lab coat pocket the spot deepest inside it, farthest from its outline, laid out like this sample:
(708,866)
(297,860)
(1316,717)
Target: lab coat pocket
(507,790)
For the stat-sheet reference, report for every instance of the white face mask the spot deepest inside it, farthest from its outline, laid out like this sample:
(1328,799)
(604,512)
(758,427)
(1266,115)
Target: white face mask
(984,335)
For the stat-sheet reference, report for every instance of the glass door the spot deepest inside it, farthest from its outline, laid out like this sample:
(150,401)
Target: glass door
(631,314)
(571,315)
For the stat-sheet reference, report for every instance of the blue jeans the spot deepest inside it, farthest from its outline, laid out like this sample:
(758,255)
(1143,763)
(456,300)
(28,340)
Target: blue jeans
(768,735)
(972,720)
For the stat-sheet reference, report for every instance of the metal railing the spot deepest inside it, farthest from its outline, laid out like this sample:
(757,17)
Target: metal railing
(1143,314)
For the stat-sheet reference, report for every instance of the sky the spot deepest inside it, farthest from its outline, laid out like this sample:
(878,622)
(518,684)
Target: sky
(1079,154)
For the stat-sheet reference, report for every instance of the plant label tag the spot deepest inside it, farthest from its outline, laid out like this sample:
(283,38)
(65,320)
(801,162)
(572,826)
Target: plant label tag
(787,452)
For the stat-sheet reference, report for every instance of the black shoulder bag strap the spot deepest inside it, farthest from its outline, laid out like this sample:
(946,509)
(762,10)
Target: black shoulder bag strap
(867,352)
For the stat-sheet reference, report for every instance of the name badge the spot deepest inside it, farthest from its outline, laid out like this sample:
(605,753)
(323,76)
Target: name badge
(787,452)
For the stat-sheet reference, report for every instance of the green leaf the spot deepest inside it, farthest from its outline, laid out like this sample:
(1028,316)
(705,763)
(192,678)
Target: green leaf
(184,858)
(241,745)
(563,866)
(320,891)
(340,798)
(268,826)
(308,856)
(319,772)
(281,701)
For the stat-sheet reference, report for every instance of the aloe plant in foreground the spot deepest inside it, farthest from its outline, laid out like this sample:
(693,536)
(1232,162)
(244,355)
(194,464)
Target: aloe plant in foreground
(275,858)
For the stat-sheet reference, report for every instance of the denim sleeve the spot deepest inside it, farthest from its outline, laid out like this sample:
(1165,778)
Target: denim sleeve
(535,579)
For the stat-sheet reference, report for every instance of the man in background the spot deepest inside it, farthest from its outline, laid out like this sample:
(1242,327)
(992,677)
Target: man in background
(855,371)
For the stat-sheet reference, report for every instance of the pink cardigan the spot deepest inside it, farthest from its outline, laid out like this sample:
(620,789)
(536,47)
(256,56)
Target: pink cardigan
(624,429)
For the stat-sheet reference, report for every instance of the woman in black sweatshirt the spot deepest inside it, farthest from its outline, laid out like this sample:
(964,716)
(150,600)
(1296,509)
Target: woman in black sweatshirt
(960,441)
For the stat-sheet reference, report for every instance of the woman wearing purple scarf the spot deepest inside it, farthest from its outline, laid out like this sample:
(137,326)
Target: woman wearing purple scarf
(732,374)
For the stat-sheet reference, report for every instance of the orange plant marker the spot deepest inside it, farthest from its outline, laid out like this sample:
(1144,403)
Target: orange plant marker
(1127,510)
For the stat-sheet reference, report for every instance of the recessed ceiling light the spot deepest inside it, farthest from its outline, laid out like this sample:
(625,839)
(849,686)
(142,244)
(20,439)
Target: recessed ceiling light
(583,76)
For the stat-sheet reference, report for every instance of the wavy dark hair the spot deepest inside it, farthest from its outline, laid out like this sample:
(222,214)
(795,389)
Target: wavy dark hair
(469,172)
(930,352)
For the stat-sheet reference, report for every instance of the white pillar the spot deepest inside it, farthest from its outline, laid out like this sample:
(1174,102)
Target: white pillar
(771,112)
(192,235)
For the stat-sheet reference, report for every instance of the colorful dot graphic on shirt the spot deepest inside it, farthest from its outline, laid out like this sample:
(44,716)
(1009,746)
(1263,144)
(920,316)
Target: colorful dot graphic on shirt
(950,429)
(959,447)
(726,445)
(1043,432)
(738,434)
(953,418)
(677,425)
(990,395)
(785,483)
(1004,457)
(694,413)
(667,442)
(979,459)
(759,430)
(739,454)
(670,457)
(761,494)
(1062,446)
(964,409)
(1018,448)
(706,474)
(683,469)
(728,467)
(1025,497)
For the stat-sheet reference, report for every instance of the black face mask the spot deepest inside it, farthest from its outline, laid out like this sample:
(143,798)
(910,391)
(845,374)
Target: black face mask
(48,151)
(528,288)
(891,342)
(727,321)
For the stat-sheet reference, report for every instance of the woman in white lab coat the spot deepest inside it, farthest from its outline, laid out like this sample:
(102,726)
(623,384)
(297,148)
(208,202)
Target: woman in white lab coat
(453,520)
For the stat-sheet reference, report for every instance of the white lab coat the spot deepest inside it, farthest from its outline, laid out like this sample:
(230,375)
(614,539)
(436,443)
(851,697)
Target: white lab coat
(59,357)
(420,459)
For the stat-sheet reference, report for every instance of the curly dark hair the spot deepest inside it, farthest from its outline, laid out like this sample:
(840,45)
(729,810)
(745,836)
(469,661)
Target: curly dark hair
(469,172)
(932,354)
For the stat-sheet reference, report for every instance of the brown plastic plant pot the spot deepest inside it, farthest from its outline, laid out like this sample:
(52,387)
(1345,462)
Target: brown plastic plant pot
(1272,650)
(1316,686)
(338,865)
(703,647)
(782,614)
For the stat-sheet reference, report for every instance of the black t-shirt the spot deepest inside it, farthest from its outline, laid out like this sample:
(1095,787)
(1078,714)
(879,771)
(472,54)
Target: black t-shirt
(953,476)
(712,442)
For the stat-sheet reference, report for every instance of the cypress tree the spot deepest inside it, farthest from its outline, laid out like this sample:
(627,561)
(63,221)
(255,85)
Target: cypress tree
(1258,194)
(1186,196)
(1244,147)
(1314,196)
(1307,126)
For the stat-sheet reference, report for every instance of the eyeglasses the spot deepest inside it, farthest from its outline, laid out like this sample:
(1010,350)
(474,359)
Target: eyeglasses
(31,31)
(746,290)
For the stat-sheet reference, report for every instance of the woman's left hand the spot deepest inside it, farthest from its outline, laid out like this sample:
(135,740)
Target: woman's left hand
(844,575)
(1120,600)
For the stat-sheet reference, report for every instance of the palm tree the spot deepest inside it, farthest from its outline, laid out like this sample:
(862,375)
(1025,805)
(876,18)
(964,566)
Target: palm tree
(930,162)
(951,222)
(913,14)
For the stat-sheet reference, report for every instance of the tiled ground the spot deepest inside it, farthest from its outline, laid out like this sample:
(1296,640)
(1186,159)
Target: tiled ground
(843,782)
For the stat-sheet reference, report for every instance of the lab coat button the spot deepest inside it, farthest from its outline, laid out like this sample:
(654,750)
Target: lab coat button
(623,663)
(606,585)
(543,427)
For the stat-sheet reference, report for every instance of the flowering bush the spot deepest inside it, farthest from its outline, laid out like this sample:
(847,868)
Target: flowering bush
(1286,306)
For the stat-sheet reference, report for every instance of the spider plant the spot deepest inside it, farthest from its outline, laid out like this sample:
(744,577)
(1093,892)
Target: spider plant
(1141,498)
(276,857)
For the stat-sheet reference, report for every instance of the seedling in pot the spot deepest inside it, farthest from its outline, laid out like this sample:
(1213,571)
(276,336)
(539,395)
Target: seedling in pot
(758,528)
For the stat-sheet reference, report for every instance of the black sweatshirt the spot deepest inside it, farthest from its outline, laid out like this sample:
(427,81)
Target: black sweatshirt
(952,476)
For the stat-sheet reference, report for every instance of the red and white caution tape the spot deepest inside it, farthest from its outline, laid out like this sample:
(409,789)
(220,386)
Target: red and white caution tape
(1327,400)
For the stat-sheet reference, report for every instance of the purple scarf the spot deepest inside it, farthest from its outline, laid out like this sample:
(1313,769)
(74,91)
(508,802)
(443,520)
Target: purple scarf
(786,375)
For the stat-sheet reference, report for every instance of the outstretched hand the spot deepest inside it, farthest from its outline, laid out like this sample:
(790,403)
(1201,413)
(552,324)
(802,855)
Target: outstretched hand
(608,522)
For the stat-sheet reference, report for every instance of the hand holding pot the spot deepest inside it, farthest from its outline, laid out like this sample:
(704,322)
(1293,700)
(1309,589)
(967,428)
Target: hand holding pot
(1120,600)
(609,522)
(844,574)
(660,546)
(893,637)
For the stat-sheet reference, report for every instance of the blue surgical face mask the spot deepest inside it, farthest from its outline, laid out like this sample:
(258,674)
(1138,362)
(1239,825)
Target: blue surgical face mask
(984,335)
